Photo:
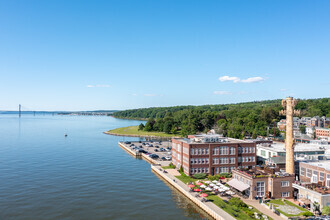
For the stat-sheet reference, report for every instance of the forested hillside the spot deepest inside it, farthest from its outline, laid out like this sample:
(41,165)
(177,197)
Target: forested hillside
(233,120)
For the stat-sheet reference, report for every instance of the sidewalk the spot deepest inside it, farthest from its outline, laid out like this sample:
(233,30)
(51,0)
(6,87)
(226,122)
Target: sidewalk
(261,208)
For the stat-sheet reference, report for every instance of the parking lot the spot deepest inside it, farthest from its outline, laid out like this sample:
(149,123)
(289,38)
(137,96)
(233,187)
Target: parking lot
(161,149)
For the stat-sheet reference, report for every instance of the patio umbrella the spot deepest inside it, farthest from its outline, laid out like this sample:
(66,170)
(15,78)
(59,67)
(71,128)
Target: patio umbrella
(203,195)
(219,184)
(214,181)
(208,189)
(199,183)
(212,184)
(191,186)
(216,187)
(207,182)
(197,190)
(202,186)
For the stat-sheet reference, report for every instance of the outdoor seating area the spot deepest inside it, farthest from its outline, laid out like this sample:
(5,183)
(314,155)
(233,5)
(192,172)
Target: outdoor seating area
(317,187)
(206,188)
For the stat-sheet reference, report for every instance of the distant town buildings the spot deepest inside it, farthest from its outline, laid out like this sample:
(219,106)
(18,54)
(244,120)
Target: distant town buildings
(316,127)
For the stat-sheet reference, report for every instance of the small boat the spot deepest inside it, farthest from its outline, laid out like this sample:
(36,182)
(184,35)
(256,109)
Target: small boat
(65,135)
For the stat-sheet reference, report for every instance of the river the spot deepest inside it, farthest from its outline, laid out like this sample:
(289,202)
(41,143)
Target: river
(45,175)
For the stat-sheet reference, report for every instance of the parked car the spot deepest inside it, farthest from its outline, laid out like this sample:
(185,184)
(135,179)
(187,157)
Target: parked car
(143,143)
(127,142)
(168,158)
(156,150)
(163,158)
(156,146)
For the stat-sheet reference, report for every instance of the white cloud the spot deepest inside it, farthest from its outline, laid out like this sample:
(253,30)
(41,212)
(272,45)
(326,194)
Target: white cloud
(252,79)
(150,95)
(283,90)
(222,93)
(228,78)
(237,79)
(99,86)
(134,94)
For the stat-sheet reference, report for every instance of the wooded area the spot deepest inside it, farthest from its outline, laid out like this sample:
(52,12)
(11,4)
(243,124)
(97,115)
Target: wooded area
(232,120)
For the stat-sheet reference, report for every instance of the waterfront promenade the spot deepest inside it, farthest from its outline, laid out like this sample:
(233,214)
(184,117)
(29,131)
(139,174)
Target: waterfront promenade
(209,207)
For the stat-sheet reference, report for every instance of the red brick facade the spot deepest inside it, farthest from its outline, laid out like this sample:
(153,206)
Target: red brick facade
(212,158)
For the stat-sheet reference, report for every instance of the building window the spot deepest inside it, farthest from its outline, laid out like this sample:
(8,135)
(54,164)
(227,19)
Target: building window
(314,178)
(207,160)
(309,172)
(207,151)
(203,151)
(239,150)
(263,153)
(239,159)
(192,151)
(232,160)
(328,180)
(302,171)
(232,151)
(285,194)
(260,189)
(285,184)
(191,161)
(321,176)
(253,159)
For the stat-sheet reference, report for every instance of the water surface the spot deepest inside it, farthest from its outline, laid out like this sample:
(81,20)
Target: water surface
(44,175)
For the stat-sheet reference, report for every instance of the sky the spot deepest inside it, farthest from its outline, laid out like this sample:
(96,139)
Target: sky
(123,54)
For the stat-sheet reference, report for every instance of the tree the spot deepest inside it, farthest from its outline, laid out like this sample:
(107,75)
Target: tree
(326,210)
(149,125)
(302,129)
(141,127)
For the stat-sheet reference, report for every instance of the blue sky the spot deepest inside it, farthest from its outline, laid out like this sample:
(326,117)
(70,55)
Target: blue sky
(87,55)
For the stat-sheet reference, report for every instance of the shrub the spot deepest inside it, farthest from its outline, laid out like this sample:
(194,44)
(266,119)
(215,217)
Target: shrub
(181,169)
(200,175)
(326,210)
(225,175)
(237,202)
(307,213)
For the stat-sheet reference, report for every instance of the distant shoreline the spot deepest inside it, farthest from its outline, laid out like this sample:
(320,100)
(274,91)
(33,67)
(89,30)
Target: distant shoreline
(132,131)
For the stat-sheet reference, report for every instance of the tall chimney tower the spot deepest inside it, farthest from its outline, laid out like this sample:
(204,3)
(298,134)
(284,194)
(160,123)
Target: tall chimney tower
(289,103)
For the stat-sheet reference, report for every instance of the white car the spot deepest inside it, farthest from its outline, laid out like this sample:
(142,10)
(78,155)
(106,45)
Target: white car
(168,158)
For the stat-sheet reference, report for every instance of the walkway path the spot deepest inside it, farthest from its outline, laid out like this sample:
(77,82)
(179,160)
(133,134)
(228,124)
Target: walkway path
(261,208)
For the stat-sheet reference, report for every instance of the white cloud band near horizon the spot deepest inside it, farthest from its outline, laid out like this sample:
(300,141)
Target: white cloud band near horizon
(237,79)
(98,86)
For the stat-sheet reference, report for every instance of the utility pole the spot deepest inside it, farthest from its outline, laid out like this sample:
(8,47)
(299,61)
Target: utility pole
(19,110)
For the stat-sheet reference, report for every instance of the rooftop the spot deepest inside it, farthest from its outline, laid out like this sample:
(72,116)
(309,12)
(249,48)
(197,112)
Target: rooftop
(314,187)
(262,172)
(206,138)
(299,147)
(322,164)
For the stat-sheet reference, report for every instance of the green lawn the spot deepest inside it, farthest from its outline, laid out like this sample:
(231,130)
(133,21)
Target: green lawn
(286,202)
(243,213)
(186,179)
(170,166)
(133,130)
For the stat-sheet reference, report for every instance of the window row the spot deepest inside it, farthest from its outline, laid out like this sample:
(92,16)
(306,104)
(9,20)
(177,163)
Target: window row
(246,150)
(224,150)
(199,151)
(218,170)
(315,175)
(199,160)
(246,159)
(199,170)
(242,179)
(224,160)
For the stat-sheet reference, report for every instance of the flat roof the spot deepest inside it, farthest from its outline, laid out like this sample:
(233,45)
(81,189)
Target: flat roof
(299,147)
(323,164)
(225,140)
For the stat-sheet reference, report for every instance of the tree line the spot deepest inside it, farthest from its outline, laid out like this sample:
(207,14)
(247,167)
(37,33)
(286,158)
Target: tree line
(232,120)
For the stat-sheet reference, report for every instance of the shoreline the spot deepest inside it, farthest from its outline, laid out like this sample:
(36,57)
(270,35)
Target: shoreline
(132,131)
(136,135)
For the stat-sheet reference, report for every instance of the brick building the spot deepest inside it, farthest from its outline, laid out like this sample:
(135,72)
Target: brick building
(322,132)
(314,184)
(264,182)
(212,154)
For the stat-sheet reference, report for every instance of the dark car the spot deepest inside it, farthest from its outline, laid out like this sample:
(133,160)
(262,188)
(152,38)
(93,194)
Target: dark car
(151,145)
(163,158)
(143,143)
(156,146)
(156,150)
(127,142)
